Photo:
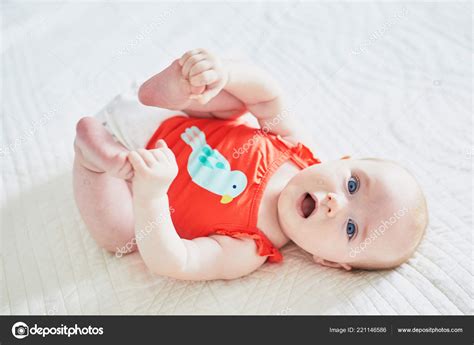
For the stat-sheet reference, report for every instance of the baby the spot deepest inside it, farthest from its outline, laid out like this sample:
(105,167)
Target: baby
(208,196)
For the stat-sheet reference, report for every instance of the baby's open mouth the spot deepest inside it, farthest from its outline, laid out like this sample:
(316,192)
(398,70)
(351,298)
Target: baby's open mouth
(307,205)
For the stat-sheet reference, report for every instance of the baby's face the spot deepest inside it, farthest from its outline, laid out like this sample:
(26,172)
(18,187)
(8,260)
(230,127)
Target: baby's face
(349,211)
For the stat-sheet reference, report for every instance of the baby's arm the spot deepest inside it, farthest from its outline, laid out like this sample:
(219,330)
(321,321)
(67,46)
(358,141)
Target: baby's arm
(202,85)
(164,252)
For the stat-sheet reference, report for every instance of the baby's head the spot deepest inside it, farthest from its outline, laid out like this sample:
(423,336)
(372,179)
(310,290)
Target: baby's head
(354,213)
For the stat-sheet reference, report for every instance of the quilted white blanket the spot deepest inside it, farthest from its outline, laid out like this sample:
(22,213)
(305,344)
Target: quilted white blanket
(380,80)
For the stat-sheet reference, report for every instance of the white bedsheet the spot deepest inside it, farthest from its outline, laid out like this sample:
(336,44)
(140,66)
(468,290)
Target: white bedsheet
(386,80)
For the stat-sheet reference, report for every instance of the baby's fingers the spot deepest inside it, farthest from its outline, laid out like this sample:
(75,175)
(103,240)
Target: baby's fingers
(188,54)
(147,157)
(189,63)
(197,90)
(209,93)
(204,78)
(160,143)
(200,67)
(137,161)
(168,154)
(159,155)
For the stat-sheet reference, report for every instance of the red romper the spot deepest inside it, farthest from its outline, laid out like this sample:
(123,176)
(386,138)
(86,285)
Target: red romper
(224,166)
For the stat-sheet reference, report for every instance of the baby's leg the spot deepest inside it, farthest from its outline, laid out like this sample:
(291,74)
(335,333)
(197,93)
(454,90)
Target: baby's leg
(99,151)
(104,201)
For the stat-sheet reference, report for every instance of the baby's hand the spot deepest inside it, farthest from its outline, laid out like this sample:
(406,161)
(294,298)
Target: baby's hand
(154,171)
(205,74)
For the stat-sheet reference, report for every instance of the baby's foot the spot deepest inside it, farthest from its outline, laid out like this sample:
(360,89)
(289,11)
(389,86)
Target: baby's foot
(99,152)
(197,75)
(175,90)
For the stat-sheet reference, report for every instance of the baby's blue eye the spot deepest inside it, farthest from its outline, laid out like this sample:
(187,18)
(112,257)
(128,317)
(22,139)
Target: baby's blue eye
(353,184)
(234,186)
(351,228)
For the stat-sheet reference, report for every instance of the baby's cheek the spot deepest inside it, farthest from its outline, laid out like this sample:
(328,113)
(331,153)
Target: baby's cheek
(286,213)
(326,238)
(311,235)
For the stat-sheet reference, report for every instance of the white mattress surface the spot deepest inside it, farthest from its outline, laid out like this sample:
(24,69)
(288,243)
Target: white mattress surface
(370,80)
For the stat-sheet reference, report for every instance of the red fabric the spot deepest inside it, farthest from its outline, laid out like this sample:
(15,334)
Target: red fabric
(198,211)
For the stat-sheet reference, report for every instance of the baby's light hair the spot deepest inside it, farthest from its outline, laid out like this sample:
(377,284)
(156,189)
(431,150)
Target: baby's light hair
(419,212)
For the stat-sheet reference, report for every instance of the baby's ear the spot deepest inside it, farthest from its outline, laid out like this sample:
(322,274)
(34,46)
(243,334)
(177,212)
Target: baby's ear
(332,264)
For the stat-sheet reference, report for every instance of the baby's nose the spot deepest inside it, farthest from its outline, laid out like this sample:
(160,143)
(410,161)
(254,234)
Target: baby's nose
(335,204)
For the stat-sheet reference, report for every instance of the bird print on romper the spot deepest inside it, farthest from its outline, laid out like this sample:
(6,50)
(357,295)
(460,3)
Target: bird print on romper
(210,170)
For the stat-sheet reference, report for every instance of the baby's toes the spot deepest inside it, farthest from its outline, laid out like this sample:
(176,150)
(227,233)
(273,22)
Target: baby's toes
(137,162)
